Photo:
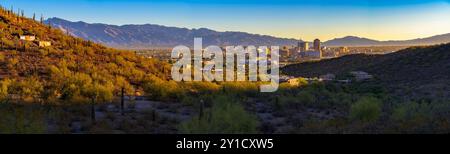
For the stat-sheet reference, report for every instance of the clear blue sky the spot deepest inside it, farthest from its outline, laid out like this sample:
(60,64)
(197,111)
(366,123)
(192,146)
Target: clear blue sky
(305,19)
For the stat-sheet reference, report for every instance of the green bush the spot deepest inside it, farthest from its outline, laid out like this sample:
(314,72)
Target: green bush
(159,89)
(241,89)
(306,97)
(366,109)
(225,117)
(4,85)
(16,119)
(411,110)
(428,111)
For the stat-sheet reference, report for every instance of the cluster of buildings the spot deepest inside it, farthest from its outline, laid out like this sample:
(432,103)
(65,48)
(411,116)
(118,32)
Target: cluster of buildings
(315,51)
(303,51)
(355,76)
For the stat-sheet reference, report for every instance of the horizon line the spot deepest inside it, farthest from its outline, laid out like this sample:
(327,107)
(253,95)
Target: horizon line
(279,37)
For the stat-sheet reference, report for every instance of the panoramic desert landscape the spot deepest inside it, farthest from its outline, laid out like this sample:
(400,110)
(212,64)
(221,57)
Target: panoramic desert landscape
(73,77)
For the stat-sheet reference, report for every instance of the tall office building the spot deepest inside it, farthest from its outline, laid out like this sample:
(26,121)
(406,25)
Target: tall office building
(317,45)
(303,46)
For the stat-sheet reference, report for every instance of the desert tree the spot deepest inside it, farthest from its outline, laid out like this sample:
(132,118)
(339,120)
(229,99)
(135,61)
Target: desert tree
(4,86)
(31,88)
(124,87)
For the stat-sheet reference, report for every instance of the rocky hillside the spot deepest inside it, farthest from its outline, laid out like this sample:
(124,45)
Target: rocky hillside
(62,66)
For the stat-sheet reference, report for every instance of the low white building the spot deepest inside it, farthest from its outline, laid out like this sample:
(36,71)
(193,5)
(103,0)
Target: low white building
(328,77)
(360,75)
(45,43)
(27,37)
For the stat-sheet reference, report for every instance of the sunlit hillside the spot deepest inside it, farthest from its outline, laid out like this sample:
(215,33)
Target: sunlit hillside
(42,64)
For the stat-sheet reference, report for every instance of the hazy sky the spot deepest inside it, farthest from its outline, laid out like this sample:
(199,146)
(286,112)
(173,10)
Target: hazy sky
(305,19)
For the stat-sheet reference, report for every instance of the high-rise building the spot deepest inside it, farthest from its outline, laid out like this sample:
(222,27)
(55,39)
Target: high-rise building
(344,49)
(303,46)
(317,45)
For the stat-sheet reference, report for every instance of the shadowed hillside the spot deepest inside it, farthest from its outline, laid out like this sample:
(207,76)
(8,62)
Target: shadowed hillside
(424,70)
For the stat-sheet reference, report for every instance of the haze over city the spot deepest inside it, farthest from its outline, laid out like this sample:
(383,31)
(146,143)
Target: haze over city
(302,19)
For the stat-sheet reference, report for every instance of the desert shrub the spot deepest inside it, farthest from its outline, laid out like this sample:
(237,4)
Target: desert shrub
(410,110)
(306,97)
(21,120)
(285,100)
(2,57)
(31,87)
(410,116)
(6,42)
(4,85)
(28,89)
(241,89)
(417,114)
(332,126)
(190,100)
(201,87)
(225,117)
(159,89)
(102,127)
(302,82)
(98,92)
(285,87)
(12,63)
(366,109)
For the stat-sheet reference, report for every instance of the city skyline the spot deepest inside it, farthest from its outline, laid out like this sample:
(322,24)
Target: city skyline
(306,20)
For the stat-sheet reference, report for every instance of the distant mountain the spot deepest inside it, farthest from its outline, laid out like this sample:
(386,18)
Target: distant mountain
(351,41)
(150,36)
(357,41)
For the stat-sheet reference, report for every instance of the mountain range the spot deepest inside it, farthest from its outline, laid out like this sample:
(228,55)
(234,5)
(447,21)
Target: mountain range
(358,41)
(151,36)
(154,36)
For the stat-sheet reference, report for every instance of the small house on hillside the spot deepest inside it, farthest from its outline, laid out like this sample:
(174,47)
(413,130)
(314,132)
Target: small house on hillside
(45,43)
(328,77)
(360,76)
(27,37)
(294,82)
